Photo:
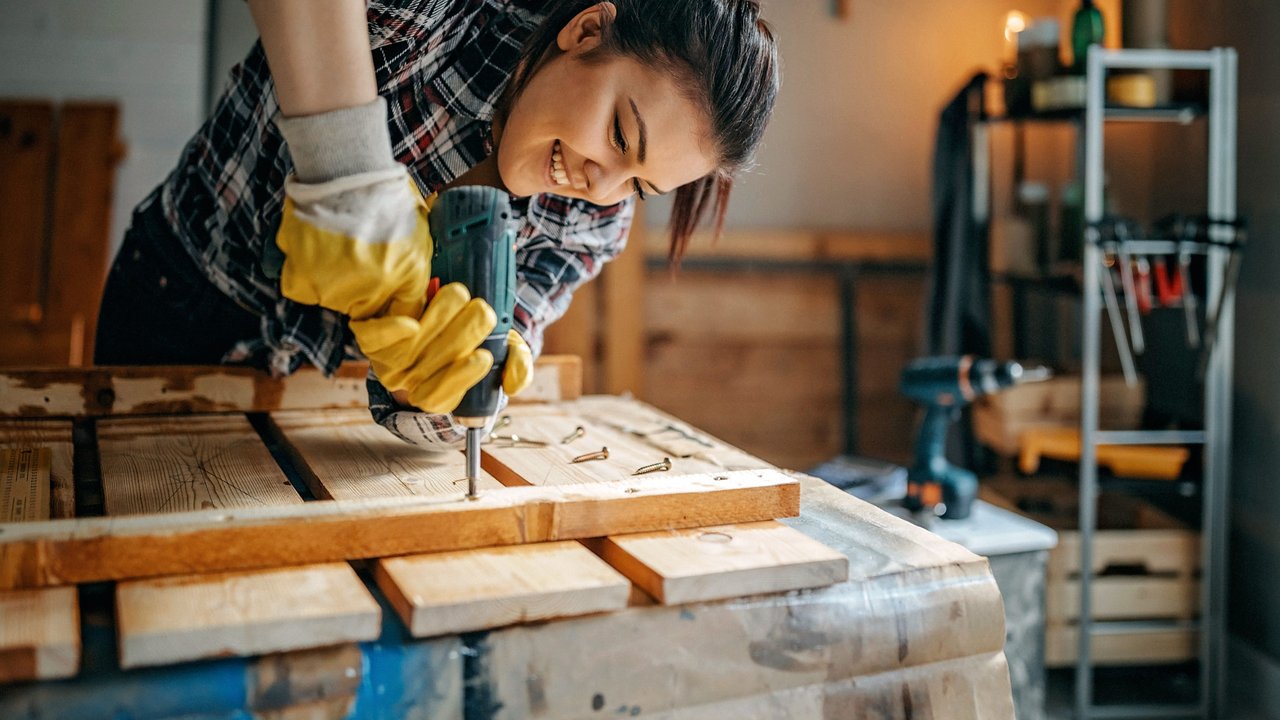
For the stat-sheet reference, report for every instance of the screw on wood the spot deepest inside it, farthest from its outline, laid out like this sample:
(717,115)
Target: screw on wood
(577,433)
(516,441)
(663,466)
(503,421)
(603,454)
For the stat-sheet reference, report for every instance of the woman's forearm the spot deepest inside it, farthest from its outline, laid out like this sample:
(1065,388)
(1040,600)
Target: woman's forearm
(319,53)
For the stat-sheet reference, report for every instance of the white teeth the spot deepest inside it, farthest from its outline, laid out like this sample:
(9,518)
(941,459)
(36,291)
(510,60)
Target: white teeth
(557,165)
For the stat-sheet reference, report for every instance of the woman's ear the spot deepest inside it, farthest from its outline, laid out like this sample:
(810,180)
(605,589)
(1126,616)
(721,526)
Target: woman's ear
(586,30)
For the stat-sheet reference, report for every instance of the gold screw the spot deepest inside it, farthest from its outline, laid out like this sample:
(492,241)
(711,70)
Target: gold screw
(603,454)
(663,466)
(503,421)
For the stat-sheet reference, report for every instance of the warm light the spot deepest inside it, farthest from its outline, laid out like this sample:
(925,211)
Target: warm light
(1014,23)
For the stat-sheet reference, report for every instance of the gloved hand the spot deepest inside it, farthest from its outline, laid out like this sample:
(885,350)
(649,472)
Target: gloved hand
(354,231)
(437,357)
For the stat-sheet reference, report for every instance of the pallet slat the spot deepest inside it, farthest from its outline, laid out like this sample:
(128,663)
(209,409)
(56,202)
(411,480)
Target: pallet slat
(115,548)
(173,464)
(176,619)
(481,589)
(343,455)
(714,563)
(1125,597)
(1145,647)
(39,634)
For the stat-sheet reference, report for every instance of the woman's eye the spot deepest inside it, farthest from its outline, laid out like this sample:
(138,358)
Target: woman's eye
(619,141)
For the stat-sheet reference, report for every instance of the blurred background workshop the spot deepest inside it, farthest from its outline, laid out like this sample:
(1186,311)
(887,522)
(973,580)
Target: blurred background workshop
(1001,272)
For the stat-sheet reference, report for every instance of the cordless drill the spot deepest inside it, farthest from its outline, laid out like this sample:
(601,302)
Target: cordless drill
(944,385)
(475,245)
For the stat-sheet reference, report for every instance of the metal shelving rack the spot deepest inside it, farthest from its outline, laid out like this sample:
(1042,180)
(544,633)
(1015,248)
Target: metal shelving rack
(1220,63)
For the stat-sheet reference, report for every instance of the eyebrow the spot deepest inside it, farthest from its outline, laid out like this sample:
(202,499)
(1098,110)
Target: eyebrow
(643,143)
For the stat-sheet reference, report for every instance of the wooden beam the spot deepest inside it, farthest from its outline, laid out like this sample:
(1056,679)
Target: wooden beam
(39,634)
(715,563)
(622,283)
(195,462)
(176,619)
(480,589)
(26,151)
(55,435)
(58,552)
(343,455)
(789,244)
(159,390)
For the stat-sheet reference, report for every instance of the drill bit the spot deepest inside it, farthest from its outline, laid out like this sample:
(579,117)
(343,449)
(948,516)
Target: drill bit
(473,460)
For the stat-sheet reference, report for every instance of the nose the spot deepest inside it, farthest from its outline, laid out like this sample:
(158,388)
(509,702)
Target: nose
(606,181)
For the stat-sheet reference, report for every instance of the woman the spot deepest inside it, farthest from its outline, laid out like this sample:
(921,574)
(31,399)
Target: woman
(573,106)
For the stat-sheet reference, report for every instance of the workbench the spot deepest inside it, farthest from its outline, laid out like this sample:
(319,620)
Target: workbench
(905,625)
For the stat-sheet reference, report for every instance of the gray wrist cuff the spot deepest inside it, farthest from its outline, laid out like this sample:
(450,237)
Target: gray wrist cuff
(339,143)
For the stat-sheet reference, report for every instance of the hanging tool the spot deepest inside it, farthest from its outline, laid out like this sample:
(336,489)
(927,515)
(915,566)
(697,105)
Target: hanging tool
(1117,325)
(944,385)
(475,245)
(1130,287)
(1226,291)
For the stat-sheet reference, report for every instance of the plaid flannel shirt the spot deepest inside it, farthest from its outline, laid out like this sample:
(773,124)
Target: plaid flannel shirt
(442,65)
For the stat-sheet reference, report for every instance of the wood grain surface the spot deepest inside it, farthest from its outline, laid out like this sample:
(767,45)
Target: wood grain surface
(39,634)
(344,455)
(176,619)
(197,462)
(58,552)
(56,436)
(714,563)
(480,589)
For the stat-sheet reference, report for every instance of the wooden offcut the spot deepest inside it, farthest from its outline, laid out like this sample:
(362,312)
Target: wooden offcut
(39,634)
(155,390)
(197,462)
(55,437)
(36,554)
(344,455)
(480,589)
(714,563)
(176,619)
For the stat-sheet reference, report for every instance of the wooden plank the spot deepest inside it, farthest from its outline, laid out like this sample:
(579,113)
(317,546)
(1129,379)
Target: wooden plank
(1156,551)
(622,284)
(715,563)
(344,455)
(173,464)
(1125,598)
(481,589)
(39,634)
(161,390)
(26,151)
(176,619)
(56,436)
(577,333)
(1144,647)
(803,246)
(84,183)
(58,552)
(24,484)
(608,422)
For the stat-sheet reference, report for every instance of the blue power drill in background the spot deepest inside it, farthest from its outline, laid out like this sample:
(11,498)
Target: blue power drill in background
(475,245)
(944,385)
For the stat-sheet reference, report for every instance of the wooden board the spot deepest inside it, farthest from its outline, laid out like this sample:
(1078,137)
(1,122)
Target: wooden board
(481,589)
(56,436)
(155,390)
(39,634)
(636,435)
(344,455)
(176,619)
(24,484)
(58,552)
(1143,647)
(196,462)
(714,563)
(1125,597)
(26,149)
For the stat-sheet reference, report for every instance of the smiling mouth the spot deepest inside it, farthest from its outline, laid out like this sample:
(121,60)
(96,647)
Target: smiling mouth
(555,170)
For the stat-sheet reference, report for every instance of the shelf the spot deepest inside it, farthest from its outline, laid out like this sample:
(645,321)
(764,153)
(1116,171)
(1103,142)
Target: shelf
(1140,712)
(1125,627)
(1149,437)
(1179,113)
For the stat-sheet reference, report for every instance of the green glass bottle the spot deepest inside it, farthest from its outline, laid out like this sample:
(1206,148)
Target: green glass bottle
(1086,30)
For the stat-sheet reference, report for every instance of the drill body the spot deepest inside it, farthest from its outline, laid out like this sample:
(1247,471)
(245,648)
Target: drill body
(475,245)
(944,385)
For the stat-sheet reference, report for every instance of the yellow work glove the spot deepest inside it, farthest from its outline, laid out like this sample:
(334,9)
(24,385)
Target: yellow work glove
(436,358)
(359,249)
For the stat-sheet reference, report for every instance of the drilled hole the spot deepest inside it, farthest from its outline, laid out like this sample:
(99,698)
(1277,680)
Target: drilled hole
(715,537)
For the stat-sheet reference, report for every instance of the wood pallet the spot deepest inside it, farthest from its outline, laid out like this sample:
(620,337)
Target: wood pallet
(229,533)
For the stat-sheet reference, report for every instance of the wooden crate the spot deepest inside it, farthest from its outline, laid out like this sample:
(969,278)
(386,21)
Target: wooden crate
(1145,567)
(1000,419)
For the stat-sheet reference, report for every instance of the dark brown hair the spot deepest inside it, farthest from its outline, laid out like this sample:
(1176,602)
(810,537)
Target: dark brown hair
(727,60)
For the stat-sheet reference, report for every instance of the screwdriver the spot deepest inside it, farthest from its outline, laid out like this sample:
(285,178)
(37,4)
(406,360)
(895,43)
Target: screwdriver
(475,245)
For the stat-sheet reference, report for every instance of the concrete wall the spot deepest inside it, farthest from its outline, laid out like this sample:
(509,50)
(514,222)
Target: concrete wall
(148,55)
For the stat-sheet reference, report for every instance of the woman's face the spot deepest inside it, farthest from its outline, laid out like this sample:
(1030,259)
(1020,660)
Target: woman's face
(601,130)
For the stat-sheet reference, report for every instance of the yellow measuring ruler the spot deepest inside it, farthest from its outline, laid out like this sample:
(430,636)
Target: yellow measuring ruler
(24,483)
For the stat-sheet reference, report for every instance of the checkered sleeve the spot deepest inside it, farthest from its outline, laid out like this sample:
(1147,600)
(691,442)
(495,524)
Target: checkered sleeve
(561,245)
